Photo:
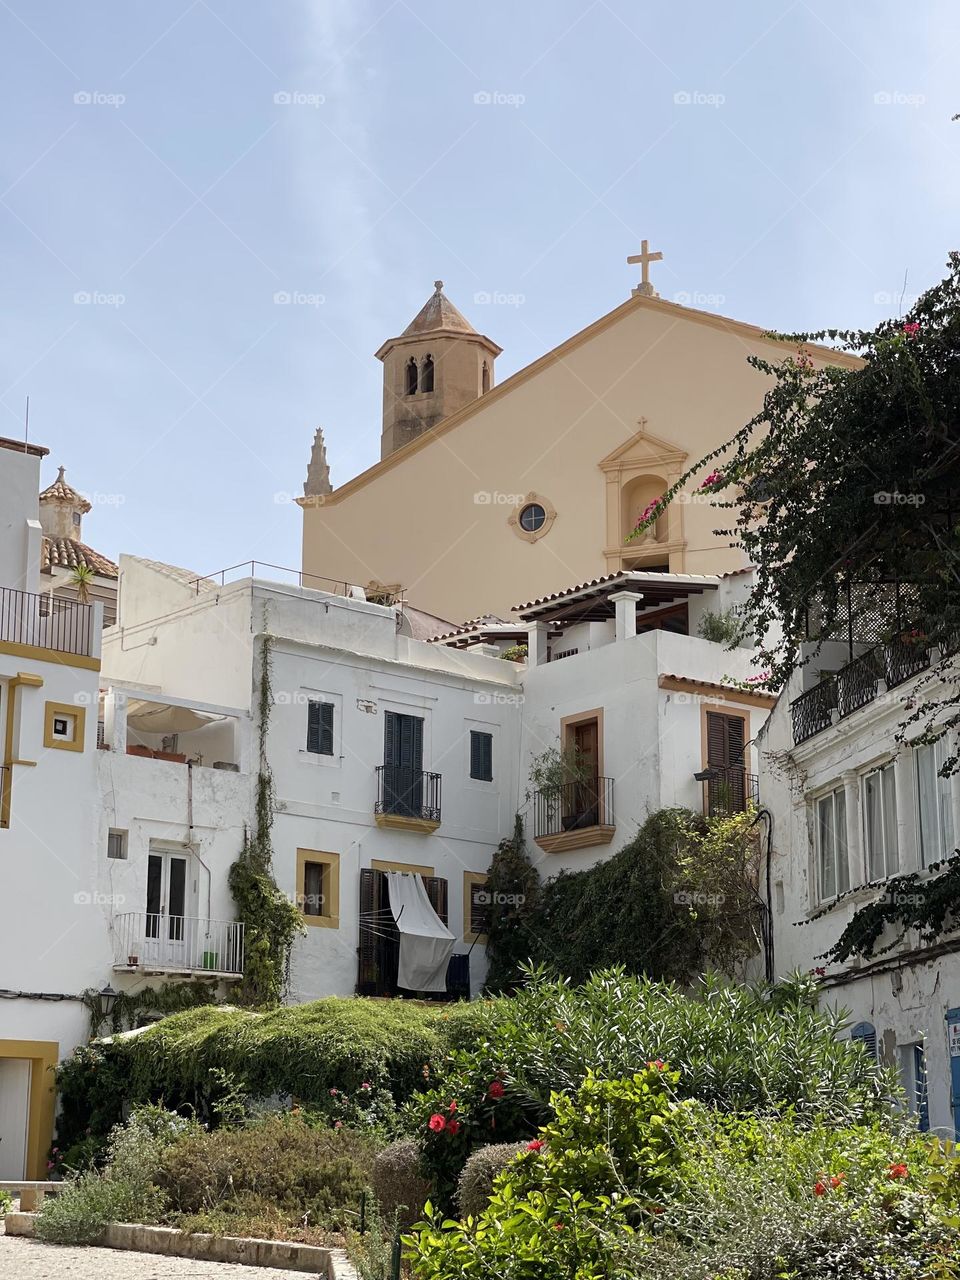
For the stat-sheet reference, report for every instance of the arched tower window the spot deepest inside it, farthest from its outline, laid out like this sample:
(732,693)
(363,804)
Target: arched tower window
(411,379)
(426,374)
(484,378)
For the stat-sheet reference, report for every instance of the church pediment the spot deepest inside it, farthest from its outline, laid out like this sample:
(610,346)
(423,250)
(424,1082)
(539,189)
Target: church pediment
(644,452)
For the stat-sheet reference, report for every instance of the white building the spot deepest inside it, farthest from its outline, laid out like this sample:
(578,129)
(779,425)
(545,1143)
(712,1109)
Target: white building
(852,807)
(53,933)
(386,754)
(617,671)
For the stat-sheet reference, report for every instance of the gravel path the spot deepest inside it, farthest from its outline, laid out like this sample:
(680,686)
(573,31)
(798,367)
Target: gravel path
(23,1259)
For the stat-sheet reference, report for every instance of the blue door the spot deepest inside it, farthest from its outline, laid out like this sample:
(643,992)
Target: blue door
(953,1049)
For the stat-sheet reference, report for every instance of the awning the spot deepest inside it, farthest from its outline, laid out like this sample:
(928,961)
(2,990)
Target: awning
(425,941)
(162,717)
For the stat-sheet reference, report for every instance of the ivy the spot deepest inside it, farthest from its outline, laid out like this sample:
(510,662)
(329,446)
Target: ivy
(271,921)
(679,898)
(512,883)
(129,1006)
(910,901)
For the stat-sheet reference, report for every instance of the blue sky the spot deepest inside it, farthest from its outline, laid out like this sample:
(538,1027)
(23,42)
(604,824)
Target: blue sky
(180,164)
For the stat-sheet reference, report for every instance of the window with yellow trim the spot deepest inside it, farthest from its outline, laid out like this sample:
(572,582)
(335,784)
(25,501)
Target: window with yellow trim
(318,887)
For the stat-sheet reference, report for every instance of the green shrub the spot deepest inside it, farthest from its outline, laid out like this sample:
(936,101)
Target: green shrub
(678,899)
(398,1183)
(279,1162)
(728,627)
(6,1202)
(475,1185)
(739,1048)
(125,1191)
(79,1214)
(631,1181)
(303,1050)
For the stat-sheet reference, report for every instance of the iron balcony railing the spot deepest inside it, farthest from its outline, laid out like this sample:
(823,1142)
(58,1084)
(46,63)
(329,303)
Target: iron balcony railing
(858,683)
(813,711)
(730,789)
(407,793)
(177,944)
(574,806)
(47,622)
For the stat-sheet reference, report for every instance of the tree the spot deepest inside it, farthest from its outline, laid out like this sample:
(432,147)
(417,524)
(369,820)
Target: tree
(844,494)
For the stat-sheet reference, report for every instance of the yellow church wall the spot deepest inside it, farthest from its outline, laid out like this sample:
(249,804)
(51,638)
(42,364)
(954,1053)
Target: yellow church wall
(435,517)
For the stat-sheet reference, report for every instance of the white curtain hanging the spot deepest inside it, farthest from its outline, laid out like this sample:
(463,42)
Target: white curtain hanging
(425,941)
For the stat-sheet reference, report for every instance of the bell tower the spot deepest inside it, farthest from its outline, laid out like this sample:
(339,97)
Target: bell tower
(436,366)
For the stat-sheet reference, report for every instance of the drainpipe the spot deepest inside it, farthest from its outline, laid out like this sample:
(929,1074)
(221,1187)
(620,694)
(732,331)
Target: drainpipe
(193,844)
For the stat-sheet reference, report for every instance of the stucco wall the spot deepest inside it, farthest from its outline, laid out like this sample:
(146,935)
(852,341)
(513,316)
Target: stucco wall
(686,380)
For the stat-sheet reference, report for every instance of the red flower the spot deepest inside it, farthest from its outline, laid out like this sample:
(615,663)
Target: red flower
(819,1189)
(536,1145)
(453,1105)
(496,1090)
(837,1179)
(658,1064)
(453,1127)
(437,1123)
(558,1226)
(714,478)
(911,328)
(898,1171)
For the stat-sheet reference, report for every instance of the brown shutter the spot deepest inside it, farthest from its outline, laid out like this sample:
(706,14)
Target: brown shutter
(367,948)
(437,893)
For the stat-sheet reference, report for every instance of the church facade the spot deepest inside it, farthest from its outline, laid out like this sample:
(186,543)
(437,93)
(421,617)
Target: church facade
(506,491)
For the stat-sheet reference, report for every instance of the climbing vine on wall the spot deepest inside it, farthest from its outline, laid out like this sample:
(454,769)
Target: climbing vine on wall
(271,921)
(129,1007)
(907,902)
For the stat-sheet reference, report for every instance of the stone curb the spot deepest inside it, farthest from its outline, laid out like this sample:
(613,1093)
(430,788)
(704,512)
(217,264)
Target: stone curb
(332,1264)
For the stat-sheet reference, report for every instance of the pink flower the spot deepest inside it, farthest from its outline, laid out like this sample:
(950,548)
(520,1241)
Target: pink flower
(334,1092)
(437,1123)
(338,1124)
(453,1127)
(911,328)
(364,1086)
(495,1091)
(536,1145)
(714,479)
(648,510)
(453,1105)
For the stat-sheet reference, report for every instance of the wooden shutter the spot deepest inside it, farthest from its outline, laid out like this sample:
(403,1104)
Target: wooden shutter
(865,1033)
(390,738)
(481,755)
(367,948)
(725,741)
(480,909)
(320,728)
(437,893)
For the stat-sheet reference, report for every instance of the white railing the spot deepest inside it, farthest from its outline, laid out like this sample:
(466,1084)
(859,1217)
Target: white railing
(177,944)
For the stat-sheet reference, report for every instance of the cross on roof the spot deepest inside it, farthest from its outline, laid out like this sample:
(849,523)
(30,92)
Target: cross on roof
(645,257)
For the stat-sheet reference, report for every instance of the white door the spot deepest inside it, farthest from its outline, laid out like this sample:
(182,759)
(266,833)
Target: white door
(167,925)
(14,1114)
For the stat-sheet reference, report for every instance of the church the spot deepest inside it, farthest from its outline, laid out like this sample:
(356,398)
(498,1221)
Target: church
(489,494)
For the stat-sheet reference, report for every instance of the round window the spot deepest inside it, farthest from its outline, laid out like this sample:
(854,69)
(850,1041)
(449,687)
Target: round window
(532,517)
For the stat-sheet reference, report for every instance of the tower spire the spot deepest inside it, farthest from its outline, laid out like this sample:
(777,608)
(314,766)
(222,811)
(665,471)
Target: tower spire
(317,483)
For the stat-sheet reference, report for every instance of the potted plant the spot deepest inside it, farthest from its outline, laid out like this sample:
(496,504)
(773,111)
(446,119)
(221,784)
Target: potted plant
(567,787)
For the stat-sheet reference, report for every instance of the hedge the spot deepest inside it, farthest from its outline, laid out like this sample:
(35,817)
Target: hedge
(304,1050)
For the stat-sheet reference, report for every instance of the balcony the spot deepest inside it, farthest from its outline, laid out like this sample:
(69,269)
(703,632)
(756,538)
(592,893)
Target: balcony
(729,789)
(148,943)
(857,683)
(46,622)
(407,799)
(576,815)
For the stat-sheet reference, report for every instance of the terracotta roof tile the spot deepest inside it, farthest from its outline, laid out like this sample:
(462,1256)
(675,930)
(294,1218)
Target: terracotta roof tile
(438,312)
(67,553)
(63,492)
